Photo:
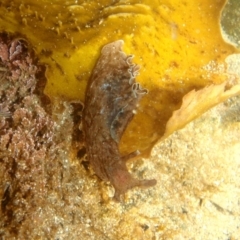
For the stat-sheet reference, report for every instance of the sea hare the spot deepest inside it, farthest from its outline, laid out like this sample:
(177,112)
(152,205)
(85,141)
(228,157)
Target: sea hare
(111,100)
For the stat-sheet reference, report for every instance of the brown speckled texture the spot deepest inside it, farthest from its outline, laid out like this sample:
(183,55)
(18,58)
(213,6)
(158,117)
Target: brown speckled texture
(111,100)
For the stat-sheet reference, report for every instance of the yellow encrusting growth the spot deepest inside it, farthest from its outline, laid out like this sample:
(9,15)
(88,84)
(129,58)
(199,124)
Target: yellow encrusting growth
(177,43)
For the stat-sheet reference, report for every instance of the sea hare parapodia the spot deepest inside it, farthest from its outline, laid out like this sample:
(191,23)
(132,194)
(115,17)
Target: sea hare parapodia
(111,99)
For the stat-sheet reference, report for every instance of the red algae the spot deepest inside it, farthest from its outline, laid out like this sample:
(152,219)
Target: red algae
(31,142)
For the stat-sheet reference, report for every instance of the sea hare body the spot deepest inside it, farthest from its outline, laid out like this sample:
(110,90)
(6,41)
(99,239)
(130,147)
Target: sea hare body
(111,100)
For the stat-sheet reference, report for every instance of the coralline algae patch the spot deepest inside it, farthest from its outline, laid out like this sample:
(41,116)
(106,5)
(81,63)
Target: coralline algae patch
(173,42)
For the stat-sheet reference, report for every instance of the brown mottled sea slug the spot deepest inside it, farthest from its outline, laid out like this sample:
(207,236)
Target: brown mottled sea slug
(111,99)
